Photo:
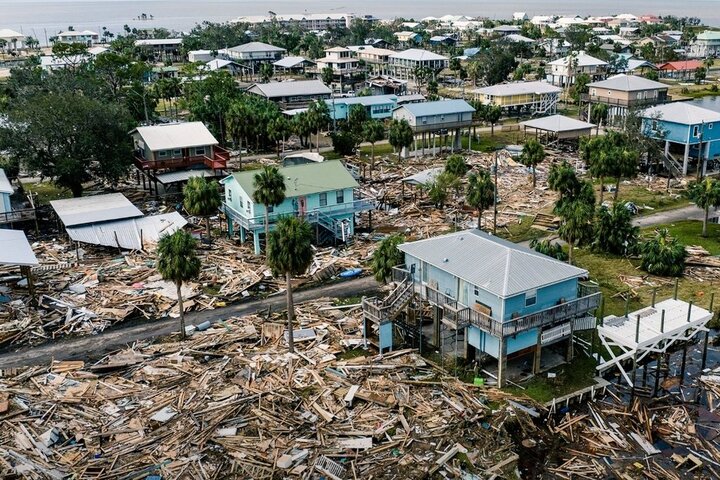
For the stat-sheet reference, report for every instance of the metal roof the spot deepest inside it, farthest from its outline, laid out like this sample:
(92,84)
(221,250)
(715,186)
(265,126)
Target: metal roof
(441,107)
(518,88)
(94,209)
(365,101)
(290,89)
(158,41)
(683,113)
(417,54)
(15,249)
(305,179)
(498,266)
(256,47)
(582,59)
(628,83)
(131,233)
(176,135)
(290,62)
(557,123)
(514,37)
(7,34)
(635,63)
(182,175)
(424,177)
(5,185)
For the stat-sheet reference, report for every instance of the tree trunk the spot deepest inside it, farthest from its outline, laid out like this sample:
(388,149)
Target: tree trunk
(76,189)
(317,144)
(181,309)
(480,219)
(705,220)
(617,189)
(602,188)
(290,313)
(492,129)
(571,246)
(534,178)
(207,227)
(240,152)
(267,228)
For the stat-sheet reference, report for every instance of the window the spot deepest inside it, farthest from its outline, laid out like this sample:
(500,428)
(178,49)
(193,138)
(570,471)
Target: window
(240,202)
(229,195)
(710,125)
(200,151)
(530,298)
(340,197)
(696,131)
(476,290)
(424,272)
(249,206)
(162,154)
(270,209)
(177,153)
(593,92)
(323,199)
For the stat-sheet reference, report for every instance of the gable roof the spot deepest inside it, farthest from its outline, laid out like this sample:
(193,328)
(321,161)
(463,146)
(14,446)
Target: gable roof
(440,107)
(557,123)
(289,89)
(15,249)
(684,113)
(176,135)
(681,65)
(500,267)
(366,101)
(628,83)
(305,179)
(6,33)
(635,63)
(518,88)
(94,209)
(583,60)
(5,185)
(417,54)
(256,47)
(290,62)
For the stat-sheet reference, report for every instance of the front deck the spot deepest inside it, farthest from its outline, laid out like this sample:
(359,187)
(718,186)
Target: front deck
(218,161)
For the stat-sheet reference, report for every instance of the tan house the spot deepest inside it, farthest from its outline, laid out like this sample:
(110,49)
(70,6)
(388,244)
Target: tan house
(622,92)
(376,59)
(339,59)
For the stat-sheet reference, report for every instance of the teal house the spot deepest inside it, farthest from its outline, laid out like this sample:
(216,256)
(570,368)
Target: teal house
(691,134)
(324,193)
(378,107)
(508,300)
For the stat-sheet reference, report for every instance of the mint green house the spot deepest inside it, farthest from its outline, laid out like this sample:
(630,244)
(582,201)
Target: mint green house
(324,193)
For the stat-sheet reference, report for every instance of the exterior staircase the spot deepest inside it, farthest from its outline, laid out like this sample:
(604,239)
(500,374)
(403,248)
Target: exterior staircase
(672,165)
(383,311)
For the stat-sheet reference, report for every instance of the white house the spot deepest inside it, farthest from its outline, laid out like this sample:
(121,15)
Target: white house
(339,59)
(87,37)
(403,64)
(13,39)
(562,72)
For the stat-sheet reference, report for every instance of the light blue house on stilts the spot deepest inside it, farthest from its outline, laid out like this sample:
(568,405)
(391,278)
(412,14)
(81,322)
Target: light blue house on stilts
(508,299)
(324,193)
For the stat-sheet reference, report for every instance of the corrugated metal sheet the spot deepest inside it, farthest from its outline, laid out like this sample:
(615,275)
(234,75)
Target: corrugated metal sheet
(128,233)
(176,135)
(97,208)
(557,123)
(15,249)
(498,266)
(441,107)
(5,186)
(183,175)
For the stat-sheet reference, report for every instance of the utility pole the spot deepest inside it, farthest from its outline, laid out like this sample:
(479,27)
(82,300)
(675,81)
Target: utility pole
(495,196)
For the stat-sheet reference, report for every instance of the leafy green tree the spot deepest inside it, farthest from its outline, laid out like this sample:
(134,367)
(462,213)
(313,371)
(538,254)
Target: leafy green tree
(700,75)
(492,116)
(663,255)
(400,135)
(302,126)
(69,137)
(327,75)
(278,130)
(319,117)
(202,199)
(373,132)
(344,142)
(266,72)
(209,100)
(238,126)
(178,263)
(289,253)
(439,190)
(73,55)
(118,71)
(480,193)
(599,114)
(563,179)
(532,155)
(456,165)
(580,86)
(614,230)
(575,224)
(269,191)
(705,194)
(386,257)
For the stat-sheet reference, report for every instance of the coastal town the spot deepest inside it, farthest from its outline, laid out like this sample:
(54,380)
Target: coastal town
(340,246)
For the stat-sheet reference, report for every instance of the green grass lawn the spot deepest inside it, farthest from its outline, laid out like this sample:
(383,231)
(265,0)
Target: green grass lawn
(689,233)
(577,374)
(47,191)
(641,196)
(521,232)
(485,142)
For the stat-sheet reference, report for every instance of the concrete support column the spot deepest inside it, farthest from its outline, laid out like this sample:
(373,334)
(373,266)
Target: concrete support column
(256,242)
(667,147)
(685,158)
(502,363)
(416,148)
(436,326)
(243,235)
(538,354)
(570,351)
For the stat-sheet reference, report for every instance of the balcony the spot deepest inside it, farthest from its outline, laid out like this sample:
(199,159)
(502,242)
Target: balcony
(218,161)
(313,216)
(462,315)
(621,102)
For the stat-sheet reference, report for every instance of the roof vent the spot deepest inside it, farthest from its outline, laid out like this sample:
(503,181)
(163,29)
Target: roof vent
(445,260)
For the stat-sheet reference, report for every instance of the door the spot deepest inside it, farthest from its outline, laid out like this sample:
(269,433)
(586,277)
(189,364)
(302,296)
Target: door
(302,206)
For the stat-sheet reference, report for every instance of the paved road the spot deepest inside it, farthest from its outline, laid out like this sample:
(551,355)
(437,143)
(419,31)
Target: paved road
(96,346)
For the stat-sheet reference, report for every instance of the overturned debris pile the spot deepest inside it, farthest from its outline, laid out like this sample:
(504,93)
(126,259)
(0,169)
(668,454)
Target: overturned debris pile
(232,401)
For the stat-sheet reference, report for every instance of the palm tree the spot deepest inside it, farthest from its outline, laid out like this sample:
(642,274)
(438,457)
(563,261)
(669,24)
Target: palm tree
(239,126)
(492,115)
(277,130)
(269,191)
(532,154)
(705,194)
(373,131)
(178,263)
(387,256)
(202,199)
(480,193)
(599,159)
(663,255)
(289,253)
(576,224)
(400,135)
(266,72)
(319,116)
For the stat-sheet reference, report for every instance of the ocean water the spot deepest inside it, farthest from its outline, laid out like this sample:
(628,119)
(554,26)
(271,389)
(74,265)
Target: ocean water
(45,18)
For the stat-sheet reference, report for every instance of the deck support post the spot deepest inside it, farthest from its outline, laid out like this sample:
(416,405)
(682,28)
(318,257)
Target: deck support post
(538,353)
(502,363)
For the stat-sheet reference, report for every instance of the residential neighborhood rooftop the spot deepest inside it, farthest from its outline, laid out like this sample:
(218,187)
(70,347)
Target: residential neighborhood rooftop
(417,54)
(288,89)
(256,47)
(682,112)
(439,107)
(499,266)
(557,123)
(627,83)
(15,249)
(176,135)
(94,209)
(518,88)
